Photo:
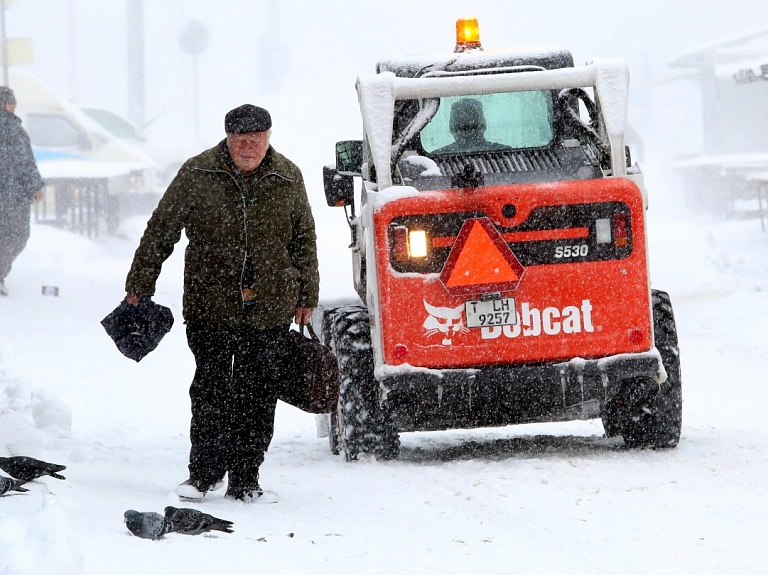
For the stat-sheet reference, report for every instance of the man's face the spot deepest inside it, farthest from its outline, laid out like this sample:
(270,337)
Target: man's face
(10,107)
(248,150)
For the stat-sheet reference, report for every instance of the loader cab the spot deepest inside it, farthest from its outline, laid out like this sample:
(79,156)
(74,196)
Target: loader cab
(508,137)
(507,130)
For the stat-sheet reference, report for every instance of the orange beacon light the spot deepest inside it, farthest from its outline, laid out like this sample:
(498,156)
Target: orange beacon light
(467,34)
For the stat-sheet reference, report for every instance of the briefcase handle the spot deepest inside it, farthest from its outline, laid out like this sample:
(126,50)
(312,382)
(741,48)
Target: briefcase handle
(311,331)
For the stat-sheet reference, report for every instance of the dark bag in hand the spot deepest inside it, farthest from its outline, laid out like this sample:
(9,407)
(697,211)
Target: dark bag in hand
(315,385)
(138,329)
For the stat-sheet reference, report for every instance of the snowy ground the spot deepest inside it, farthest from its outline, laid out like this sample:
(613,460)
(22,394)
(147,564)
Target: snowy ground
(530,499)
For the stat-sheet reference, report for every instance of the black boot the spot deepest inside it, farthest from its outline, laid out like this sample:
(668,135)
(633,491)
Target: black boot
(244,486)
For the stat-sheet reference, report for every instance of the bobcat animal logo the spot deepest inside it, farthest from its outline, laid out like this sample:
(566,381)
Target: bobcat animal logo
(448,321)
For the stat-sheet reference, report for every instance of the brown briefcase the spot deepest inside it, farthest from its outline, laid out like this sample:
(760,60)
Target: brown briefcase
(314,387)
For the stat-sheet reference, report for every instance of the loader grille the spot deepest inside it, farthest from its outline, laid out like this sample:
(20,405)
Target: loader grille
(500,162)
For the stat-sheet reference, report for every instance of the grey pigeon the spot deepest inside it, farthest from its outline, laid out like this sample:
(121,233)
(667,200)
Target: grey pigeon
(9,484)
(28,468)
(194,522)
(147,525)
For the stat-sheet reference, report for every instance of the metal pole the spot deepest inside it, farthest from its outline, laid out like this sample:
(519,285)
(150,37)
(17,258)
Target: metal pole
(196,99)
(74,84)
(136,76)
(710,108)
(3,42)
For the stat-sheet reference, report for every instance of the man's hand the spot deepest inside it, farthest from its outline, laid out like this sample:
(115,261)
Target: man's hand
(303,315)
(38,197)
(132,299)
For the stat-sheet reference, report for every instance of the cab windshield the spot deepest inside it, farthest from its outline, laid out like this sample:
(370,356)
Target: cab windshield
(487,122)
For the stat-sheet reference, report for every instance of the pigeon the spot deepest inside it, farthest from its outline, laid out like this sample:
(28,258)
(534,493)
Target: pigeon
(28,468)
(194,522)
(9,484)
(147,524)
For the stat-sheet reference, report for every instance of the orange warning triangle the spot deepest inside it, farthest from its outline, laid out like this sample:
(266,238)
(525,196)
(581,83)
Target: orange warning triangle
(480,261)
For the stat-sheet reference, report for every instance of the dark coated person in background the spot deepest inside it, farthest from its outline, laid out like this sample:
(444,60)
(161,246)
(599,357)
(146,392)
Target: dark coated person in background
(250,269)
(20,184)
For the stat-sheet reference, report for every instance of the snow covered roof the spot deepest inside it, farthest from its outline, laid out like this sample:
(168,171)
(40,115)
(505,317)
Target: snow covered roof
(751,43)
(547,57)
(752,160)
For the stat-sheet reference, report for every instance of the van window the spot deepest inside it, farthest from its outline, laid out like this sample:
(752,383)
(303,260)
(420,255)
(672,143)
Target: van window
(113,123)
(51,131)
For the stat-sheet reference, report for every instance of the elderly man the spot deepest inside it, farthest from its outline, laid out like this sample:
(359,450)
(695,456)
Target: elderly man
(20,184)
(250,268)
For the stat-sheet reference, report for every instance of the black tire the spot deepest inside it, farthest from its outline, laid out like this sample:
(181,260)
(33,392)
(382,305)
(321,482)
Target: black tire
(332,419)
(643,412)
(362,426)
(333,433)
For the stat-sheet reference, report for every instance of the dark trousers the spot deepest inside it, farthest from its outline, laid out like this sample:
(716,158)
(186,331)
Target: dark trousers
(14,232)
(233,399)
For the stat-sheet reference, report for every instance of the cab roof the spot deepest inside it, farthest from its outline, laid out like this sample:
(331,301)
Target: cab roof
(541,57)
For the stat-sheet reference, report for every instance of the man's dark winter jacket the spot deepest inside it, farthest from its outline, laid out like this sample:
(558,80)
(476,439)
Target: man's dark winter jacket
(19,177)
(226,219)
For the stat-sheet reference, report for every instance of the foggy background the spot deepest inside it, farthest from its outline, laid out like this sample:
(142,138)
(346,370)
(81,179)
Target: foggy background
(300,58)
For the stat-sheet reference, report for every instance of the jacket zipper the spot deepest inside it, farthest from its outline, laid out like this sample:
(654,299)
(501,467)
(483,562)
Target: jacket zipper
(245,216)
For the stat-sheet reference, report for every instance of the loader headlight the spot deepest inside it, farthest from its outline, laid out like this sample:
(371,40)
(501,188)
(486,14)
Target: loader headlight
(408,244)
(417,240)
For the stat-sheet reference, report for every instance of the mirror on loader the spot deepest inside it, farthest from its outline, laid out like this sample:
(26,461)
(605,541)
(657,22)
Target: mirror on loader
(338,181)
(339,189)
(349,157)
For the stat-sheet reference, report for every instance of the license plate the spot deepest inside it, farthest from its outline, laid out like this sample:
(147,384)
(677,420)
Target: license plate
(491,312)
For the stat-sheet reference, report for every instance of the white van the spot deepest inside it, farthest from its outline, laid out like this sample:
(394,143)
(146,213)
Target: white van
(91,175)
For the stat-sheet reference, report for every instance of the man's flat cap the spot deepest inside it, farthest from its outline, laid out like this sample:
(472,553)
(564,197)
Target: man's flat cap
(247,118)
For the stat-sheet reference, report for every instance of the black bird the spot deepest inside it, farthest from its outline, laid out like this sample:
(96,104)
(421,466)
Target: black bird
(147,524)
(28,468)
(194,522)
(9,484)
